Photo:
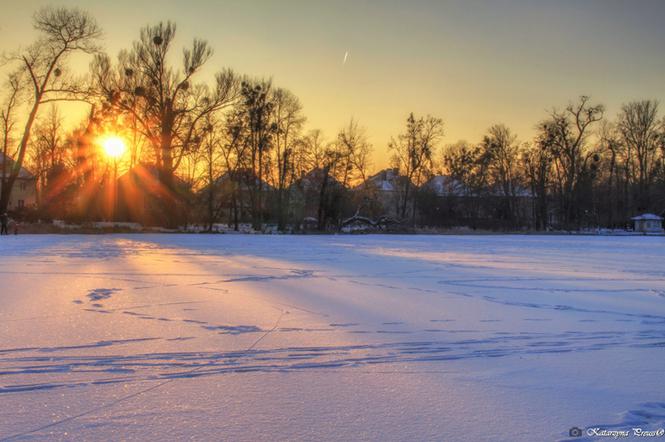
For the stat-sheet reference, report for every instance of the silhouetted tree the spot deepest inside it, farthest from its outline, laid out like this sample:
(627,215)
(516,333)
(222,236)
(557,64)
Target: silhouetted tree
(237,161)
(413,153)
(499,150)
(352,150)
(256,114)
(640,131)
(169,108)
(565,136)
(42,74)
(46,149)
(537,165)
(288,118)
(8,116)
(211,165)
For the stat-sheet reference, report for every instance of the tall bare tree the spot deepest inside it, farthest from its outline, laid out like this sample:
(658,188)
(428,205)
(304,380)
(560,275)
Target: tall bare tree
(47,149)
(212,162)
(237,162)
(536,162)
(500,150)
(289,120)
(169,107)
(353,152)
(612,150)
(565,135)
(640,131)
(466,166)
(256,114)
(8,116)
(413,154)
(41,69)
(314,150)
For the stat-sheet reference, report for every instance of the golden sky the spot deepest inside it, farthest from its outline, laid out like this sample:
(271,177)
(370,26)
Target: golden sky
(471,63)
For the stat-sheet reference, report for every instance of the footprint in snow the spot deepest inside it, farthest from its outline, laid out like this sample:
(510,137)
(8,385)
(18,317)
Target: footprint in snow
(101,294)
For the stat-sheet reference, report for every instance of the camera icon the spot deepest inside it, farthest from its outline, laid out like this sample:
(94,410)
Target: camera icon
(575,432)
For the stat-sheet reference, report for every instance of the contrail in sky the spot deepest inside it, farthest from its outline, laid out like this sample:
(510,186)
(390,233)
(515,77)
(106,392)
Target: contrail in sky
(346,57)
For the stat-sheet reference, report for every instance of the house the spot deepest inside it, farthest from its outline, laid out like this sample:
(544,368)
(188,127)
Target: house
(648,223)
(233,196)
(142,198)
(445,186)
(385,188)
(24,192)
(445,201)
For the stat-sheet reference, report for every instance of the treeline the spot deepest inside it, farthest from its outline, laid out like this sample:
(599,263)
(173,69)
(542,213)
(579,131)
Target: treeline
(236,149)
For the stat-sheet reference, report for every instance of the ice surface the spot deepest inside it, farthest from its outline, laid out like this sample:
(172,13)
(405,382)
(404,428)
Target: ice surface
(249,337)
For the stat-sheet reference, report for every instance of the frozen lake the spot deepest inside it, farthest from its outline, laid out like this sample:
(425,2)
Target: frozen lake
(242,337)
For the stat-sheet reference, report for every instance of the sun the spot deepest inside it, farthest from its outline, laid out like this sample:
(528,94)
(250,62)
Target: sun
(113,146)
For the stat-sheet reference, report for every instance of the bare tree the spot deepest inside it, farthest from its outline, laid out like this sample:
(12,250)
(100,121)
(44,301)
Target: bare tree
(237,161)
(537,164)
(256,114)
(47,149)
(289,120)
(169,108)
(330,186)
(500,151)
(565,135)
(42,70)
(326,165)
(463,163)
(640,131)
(8,125)
(466,166)
(413,153)
(320,162)
(612,149)
(314,150)
(353,150)
(212,158)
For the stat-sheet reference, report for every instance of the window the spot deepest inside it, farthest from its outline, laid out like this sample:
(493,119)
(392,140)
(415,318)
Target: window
(23,185)
(21,204)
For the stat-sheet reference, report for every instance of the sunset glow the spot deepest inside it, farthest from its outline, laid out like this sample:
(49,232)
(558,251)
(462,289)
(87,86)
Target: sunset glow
(113,145)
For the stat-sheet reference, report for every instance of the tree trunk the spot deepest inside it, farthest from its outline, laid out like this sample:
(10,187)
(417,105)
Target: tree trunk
(258,218)
(322,200)
(8,183)
(406,198)
(610,193)
(168,204)
(211,192)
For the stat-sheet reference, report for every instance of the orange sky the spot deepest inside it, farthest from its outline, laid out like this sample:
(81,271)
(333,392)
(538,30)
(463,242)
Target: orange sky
(471,63)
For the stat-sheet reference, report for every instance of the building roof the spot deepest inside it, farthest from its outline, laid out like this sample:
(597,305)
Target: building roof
(444,185)
(23,173)
(647,217)
(244,177)
(313,179)
(387,180)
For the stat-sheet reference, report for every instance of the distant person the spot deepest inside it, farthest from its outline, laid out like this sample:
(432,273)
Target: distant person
(4,224)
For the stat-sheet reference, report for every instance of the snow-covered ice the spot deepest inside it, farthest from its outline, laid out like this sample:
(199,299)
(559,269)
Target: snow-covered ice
(254,337)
